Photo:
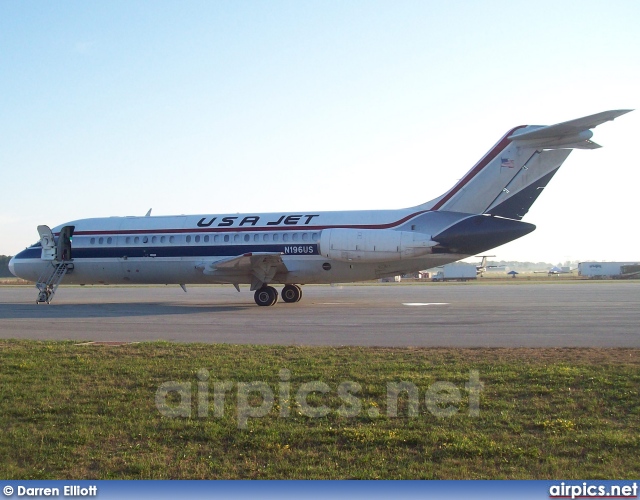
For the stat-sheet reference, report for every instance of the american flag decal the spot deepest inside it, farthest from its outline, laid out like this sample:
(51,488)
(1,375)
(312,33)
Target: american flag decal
(507,163)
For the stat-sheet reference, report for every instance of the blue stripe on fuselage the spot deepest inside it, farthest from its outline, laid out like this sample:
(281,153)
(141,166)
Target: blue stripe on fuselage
(105,252)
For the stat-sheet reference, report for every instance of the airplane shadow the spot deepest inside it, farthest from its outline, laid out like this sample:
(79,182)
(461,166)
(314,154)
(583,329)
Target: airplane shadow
(111,310)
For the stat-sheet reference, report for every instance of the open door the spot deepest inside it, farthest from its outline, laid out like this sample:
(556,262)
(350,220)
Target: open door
(49,251)
(64,244)
(56,250)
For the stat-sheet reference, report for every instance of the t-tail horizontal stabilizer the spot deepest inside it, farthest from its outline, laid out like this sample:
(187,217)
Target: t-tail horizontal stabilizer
(574,134)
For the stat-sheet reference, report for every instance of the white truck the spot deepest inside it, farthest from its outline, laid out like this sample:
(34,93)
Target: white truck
(457,271)
(608,269)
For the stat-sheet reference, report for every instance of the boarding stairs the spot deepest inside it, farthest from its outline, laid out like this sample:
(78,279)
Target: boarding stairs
(50,280)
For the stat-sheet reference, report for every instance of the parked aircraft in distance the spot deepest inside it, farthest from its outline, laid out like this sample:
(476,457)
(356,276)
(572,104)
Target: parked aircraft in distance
(481,211)
(482,268)
(555,270)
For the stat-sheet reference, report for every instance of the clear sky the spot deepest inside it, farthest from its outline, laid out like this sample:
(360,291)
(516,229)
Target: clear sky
(111,108)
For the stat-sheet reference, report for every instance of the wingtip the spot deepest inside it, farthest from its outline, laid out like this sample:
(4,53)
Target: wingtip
(620,112)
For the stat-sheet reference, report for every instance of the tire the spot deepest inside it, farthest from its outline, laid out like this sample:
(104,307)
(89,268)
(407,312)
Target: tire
(291,293)
(266,296)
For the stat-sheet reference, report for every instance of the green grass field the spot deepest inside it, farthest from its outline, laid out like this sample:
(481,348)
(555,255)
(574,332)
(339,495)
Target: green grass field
(89,412)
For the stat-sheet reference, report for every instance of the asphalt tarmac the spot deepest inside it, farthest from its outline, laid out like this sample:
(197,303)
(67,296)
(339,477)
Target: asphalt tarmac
(575,314)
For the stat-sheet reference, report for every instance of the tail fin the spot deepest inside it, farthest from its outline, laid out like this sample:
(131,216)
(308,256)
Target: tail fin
(510,177)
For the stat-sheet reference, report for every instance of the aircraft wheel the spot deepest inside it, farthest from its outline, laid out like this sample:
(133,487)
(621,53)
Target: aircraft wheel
(266,296)
(291,293)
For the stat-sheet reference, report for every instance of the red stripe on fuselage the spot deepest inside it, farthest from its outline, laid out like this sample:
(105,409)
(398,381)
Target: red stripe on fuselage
(486,159)
(250,228)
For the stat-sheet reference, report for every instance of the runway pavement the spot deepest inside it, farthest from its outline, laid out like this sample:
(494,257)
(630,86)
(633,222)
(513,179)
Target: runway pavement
(579,314)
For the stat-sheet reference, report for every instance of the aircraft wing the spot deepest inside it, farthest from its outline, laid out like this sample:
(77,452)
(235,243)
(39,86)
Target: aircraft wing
(574,133)
(261,266)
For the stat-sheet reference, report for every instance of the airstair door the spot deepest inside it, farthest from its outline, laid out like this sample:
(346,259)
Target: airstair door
(49,250)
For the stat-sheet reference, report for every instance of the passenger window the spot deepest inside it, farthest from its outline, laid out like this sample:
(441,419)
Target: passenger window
(285,237)
(305,236)
(136,240)
(216,238)
(109,240)
(226,237)
(247,237)
(172,239)
(275,237)
(314,236)
(236,237)
(162,239)
(296,236)
(93,241)
(198,239)
(154,239)
(189,239)
(206,239)
(100,241)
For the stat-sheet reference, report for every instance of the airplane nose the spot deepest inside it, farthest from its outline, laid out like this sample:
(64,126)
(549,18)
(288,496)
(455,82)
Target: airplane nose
(11,266)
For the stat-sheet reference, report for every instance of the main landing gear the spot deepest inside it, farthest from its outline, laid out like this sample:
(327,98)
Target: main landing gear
(291,293)
(268,296)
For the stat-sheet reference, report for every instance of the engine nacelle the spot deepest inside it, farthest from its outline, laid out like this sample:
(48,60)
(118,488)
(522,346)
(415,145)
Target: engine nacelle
(373,245)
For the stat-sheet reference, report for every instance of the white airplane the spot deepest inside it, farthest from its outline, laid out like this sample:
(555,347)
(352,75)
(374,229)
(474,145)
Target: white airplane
(482,268)
(555,270)
(481,211)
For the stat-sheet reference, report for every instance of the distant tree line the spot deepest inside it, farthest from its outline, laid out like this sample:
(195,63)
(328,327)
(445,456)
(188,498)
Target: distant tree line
(4,266)
(524,266)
